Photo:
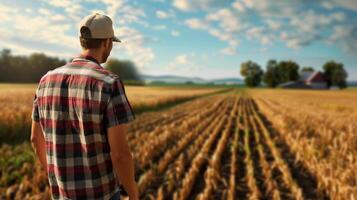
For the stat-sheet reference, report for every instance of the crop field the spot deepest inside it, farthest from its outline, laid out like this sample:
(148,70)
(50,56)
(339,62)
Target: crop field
(242,144)
(16,104)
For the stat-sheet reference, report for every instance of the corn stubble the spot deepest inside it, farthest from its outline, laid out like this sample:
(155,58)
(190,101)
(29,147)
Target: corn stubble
(259,144)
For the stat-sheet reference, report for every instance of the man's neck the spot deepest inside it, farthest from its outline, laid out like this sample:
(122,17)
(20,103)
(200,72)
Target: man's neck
(93,53)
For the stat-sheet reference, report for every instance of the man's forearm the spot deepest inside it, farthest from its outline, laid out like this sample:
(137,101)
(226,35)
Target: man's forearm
(124,168)
(39,143)
(39,146)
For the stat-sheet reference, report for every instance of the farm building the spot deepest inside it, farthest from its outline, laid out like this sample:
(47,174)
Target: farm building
(308,80)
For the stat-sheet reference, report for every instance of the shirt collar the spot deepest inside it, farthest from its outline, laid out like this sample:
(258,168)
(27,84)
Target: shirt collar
(87,57)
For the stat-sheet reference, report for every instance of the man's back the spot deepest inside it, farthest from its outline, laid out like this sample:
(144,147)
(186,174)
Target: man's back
(75,105)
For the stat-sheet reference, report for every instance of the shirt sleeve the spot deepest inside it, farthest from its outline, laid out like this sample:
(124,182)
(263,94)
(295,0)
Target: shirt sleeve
(35,115)
(118,110)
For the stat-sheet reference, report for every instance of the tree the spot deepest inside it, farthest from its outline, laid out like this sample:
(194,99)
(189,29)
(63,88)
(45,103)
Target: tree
(287,71)
(252,73)
(307,69)
(270,77)
(282,72)
(26,68)
(335,74)
(124,68)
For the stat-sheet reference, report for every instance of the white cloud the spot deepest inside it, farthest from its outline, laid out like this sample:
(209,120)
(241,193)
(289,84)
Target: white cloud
(248,3)
(347,4)
(6,12)
(128,14)
(227,20)
(254,32)
(57,17)
(269,8)
(283,35)
(261,34)
(265,40)
(296,23)
(219,34)
(263,50)
(345,36)
(196,23)
(161,14)
(72,8)
(182,63)
(51,29)
(328,5)
(175,33)
(312,22)
(159,27)
(41,32)
(120,11)
(61,3)
(181,59)
(189,5)
(133,45)
(113,6)
(44,11)
(339,16)
(239,6)
(164,15)
(273,24)
(229,51)
(296,41)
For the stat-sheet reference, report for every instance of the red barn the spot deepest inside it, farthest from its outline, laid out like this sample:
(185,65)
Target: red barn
(316,81)
(308,80)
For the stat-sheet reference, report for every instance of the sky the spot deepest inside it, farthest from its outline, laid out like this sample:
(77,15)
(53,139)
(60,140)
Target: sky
(197,38)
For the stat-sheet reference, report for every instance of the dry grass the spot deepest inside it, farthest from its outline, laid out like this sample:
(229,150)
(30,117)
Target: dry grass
(16,104)
(263,144)
(320,127)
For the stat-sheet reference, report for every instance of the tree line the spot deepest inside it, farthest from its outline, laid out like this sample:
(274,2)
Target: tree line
(30,69)
(26,69)
(277,73)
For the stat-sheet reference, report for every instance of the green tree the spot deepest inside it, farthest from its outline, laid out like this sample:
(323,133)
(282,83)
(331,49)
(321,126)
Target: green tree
(335,74)
(307,69)
(270,76)
(26,68)
(287,71)
(252,73)
(5,57)
(125,69)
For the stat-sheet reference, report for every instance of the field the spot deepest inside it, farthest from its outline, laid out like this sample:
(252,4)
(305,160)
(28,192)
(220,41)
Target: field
(241,144)
(16,104)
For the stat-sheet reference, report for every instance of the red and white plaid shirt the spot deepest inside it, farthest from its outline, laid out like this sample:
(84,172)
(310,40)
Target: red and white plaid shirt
(75,104)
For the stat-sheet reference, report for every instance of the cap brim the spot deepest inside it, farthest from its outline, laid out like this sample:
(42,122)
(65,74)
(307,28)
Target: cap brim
(116,39)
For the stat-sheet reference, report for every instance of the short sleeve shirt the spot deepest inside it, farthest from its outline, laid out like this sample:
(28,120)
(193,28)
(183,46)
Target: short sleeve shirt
(75,104)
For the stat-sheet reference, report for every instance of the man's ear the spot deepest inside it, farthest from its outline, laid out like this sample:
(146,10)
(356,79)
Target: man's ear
(107,43)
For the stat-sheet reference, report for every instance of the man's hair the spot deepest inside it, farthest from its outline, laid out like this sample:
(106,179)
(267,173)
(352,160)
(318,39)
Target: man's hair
(87,42)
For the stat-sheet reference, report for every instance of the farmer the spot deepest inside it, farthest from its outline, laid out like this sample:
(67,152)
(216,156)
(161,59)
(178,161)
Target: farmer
(78,122)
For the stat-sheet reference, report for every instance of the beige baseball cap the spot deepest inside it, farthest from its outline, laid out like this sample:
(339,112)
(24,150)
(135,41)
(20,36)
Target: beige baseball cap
(99,26)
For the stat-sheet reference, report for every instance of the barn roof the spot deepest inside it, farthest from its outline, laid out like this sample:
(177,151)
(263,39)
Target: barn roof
(316,77)
(305,75)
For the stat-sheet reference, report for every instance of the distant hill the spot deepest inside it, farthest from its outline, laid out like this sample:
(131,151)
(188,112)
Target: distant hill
(183,80)
(228,81)
(352,83)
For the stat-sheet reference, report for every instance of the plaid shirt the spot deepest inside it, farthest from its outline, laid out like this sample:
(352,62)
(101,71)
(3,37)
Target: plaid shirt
(75,104)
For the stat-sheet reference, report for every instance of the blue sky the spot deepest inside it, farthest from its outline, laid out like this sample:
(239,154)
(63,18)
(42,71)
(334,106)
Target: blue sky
(202,38)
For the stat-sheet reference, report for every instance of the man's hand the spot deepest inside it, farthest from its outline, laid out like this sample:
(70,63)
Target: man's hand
(123,160)
(39,143)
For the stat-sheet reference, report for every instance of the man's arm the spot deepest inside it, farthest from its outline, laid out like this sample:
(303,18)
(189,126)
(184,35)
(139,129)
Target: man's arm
(39,143)
(123,160)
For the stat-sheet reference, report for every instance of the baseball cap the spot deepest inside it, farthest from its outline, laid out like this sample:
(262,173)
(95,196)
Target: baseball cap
(99,26)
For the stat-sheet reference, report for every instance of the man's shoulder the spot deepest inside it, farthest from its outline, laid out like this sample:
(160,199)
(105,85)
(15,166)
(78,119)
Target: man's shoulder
(92,70)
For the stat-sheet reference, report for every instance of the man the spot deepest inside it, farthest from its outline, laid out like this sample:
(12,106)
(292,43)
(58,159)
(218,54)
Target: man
(78,122)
